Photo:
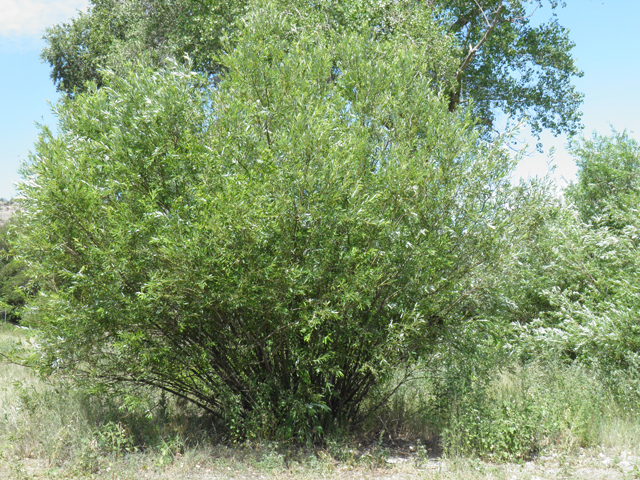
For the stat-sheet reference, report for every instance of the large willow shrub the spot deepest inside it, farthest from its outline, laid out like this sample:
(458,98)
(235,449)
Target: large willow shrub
(273,246)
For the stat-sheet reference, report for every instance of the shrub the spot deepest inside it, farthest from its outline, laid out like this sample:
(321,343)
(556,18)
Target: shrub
(270,247)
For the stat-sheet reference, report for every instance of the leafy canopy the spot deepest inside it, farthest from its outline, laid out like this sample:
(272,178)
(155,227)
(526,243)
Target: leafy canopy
(509,64)
(500,63)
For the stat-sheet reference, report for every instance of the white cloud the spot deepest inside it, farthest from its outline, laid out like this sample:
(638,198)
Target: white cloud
(29,18)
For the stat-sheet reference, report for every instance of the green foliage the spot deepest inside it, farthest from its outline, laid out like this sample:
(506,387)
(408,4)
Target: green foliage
(573,292)
(113,32)
(114,439)
(567,290)
(607,190)
(532,266)
(507,64)
(596,295)
(273,247)
(515,414)
(518,69)
(13,279)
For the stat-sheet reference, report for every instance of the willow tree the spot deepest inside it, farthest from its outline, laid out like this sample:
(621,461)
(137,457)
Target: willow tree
(273,247)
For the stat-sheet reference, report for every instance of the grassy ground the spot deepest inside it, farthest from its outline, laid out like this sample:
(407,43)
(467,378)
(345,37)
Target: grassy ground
(50,429)
(222,462)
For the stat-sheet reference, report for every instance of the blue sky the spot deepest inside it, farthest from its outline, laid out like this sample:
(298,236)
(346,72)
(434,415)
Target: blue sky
(25,85)
(606,34)
(607,38)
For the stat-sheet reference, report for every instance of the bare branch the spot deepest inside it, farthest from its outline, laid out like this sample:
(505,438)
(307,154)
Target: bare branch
(482,11)
(474,50)
(515,19)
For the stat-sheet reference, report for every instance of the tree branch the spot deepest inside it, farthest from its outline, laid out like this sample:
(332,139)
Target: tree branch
(455,97)
(515,19)
(474,50)
(483,14)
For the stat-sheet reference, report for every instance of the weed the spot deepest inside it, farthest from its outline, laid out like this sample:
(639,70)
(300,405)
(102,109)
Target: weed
(170,449)
(113,439)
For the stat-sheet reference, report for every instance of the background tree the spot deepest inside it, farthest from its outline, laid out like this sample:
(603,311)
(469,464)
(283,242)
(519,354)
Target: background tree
(113,32)
(273,248)
(509,65)
(503,64)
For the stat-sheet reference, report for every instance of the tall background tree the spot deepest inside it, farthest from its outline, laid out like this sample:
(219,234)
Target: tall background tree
(510,65)
(113,32)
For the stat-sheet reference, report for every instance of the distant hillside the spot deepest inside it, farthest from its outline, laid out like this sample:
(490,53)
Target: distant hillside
(7,207)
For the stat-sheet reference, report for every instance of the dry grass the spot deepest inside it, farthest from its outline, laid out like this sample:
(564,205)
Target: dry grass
(220,463)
